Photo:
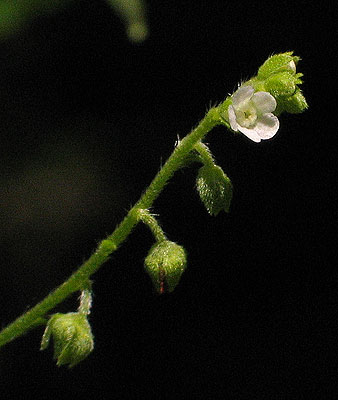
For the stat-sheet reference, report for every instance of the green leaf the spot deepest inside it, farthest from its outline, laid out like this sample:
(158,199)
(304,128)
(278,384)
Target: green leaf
(133,12)
(214,188)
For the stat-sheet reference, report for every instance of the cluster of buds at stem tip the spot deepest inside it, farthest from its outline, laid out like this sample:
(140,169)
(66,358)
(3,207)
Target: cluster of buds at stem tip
(254,108)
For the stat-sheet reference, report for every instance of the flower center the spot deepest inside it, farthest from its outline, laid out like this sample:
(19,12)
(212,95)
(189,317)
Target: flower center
(247,116)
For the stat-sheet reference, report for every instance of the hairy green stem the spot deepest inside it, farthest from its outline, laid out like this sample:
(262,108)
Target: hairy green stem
(79,279)
(205,154)
(151,222)
(85,302)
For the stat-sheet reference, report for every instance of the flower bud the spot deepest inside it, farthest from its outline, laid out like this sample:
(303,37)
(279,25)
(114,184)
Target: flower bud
(294,104)
(165,265)
(279,77)
(281,84)
(278,63)
(72,336)
(214,188)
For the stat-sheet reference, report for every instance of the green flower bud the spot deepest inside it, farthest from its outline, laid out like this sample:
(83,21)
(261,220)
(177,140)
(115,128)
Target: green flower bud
(281,85)
(214,188)
(165,265)
(294,104)
(72,336)
(278,63)
(279,78)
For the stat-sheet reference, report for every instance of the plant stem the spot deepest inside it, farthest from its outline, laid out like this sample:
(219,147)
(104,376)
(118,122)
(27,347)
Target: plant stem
(205,154)
(79,278)
(85,302)
(151,222)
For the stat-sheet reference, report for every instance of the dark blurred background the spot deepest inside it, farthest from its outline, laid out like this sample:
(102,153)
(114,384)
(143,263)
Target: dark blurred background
(87,119)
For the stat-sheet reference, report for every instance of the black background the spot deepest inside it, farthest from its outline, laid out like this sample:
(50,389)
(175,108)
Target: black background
(87,118)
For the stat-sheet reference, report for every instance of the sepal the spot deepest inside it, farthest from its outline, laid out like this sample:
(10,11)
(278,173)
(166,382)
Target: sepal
(214,188)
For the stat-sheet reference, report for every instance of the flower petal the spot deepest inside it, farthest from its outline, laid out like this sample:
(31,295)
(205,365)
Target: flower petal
(232,118)
(242,94)
(267,125)
(292,66)
(250,133)
(264,102)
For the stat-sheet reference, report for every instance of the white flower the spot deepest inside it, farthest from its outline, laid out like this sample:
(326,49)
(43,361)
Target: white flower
(251,114)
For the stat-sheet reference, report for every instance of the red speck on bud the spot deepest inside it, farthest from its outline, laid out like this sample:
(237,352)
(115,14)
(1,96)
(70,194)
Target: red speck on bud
(161,277)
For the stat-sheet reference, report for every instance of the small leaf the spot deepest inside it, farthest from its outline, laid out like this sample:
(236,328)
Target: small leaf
(214,188)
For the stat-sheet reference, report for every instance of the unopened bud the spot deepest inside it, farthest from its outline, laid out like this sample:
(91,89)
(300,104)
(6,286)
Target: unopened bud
(165,265)
(278,63)
(281,85)
(295,104)
(72,336)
